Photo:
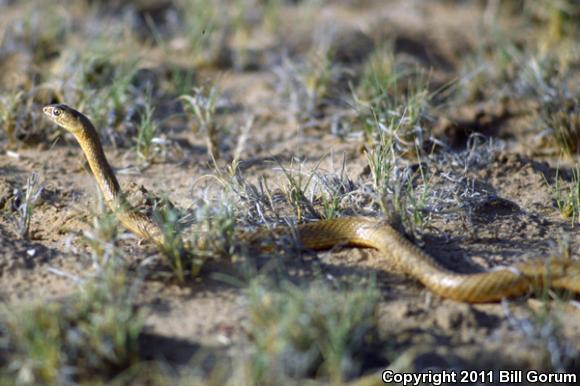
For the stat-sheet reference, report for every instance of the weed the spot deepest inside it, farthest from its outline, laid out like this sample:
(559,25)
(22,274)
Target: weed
(416,202)
(306,84)
(215,234)
(296,193)
(212,236)
(317,78)
(27,199)
(181,262)
(392,105)
(381,161)
(93,334)
(304,332)
(103,88)
(568,197)
(202,105)
(102,238)
(335,188)
(562,117)
(303,195)
(543,331)
(379,74)
(306,191)
(239,150)
(181,80)
(202,29)
(146,133)
(118,93)
(557,19)
(8,113)
(272,14)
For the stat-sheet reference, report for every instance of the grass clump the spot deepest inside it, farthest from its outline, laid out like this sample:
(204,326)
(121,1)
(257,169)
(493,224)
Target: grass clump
(543,331)
(393,102)
(557,20)
(27,199)
(312,332)
(297,195)
(306,84)
(181,262)
(200,29)
(310,194)
(216,230)
(336,189)
(9,113)
(400,193)
(202,106)
(563,120)
(91,335)
(567,197)
(212,236)
(146,133)
(316,78)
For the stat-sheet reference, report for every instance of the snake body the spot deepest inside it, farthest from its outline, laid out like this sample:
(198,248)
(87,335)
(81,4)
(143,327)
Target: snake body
(492,285)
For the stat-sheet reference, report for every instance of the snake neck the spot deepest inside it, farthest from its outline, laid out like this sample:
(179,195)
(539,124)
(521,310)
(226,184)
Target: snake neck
(110,188)
(89,141)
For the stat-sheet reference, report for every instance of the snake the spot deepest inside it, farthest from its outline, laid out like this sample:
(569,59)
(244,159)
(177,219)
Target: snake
(363,232)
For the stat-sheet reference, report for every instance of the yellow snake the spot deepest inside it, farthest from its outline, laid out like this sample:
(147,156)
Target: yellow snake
(492,285)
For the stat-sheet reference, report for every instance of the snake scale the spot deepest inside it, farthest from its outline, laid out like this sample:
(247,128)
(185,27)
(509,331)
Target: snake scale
(492,285)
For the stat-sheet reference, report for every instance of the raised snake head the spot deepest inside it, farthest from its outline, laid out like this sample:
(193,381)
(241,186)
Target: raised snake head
(66,117)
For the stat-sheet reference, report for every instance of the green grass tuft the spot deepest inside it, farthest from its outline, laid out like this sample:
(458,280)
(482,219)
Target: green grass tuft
(298,333)
(91,335)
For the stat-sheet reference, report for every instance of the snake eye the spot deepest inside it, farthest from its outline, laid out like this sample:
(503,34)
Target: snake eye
(56,112)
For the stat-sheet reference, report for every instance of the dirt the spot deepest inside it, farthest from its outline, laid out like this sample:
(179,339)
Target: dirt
(507,215)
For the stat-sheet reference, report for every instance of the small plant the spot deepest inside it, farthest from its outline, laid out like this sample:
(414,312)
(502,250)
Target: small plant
(183,263)
(557,20)
(415,202)
(212,236)
(202,105)
(181,80)
(562,117)
(272,15)
(27,200)
(102,238)
(392,104)
(91,335)
(215,235)
(296,192)
(8,113)
(335,187)
(118,93)
(568,197)
(298,333)
(146,133)
(542,329)
(306,84)
(379,74)
(106,86)
(317,78)
(381,162)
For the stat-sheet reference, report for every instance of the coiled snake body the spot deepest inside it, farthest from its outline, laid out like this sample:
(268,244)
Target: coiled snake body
(487,286)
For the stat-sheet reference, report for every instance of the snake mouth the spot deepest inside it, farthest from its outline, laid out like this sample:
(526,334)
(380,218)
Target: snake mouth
(53,111)
(49,111)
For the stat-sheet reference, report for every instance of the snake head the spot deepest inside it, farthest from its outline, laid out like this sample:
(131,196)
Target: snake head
(64,116)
